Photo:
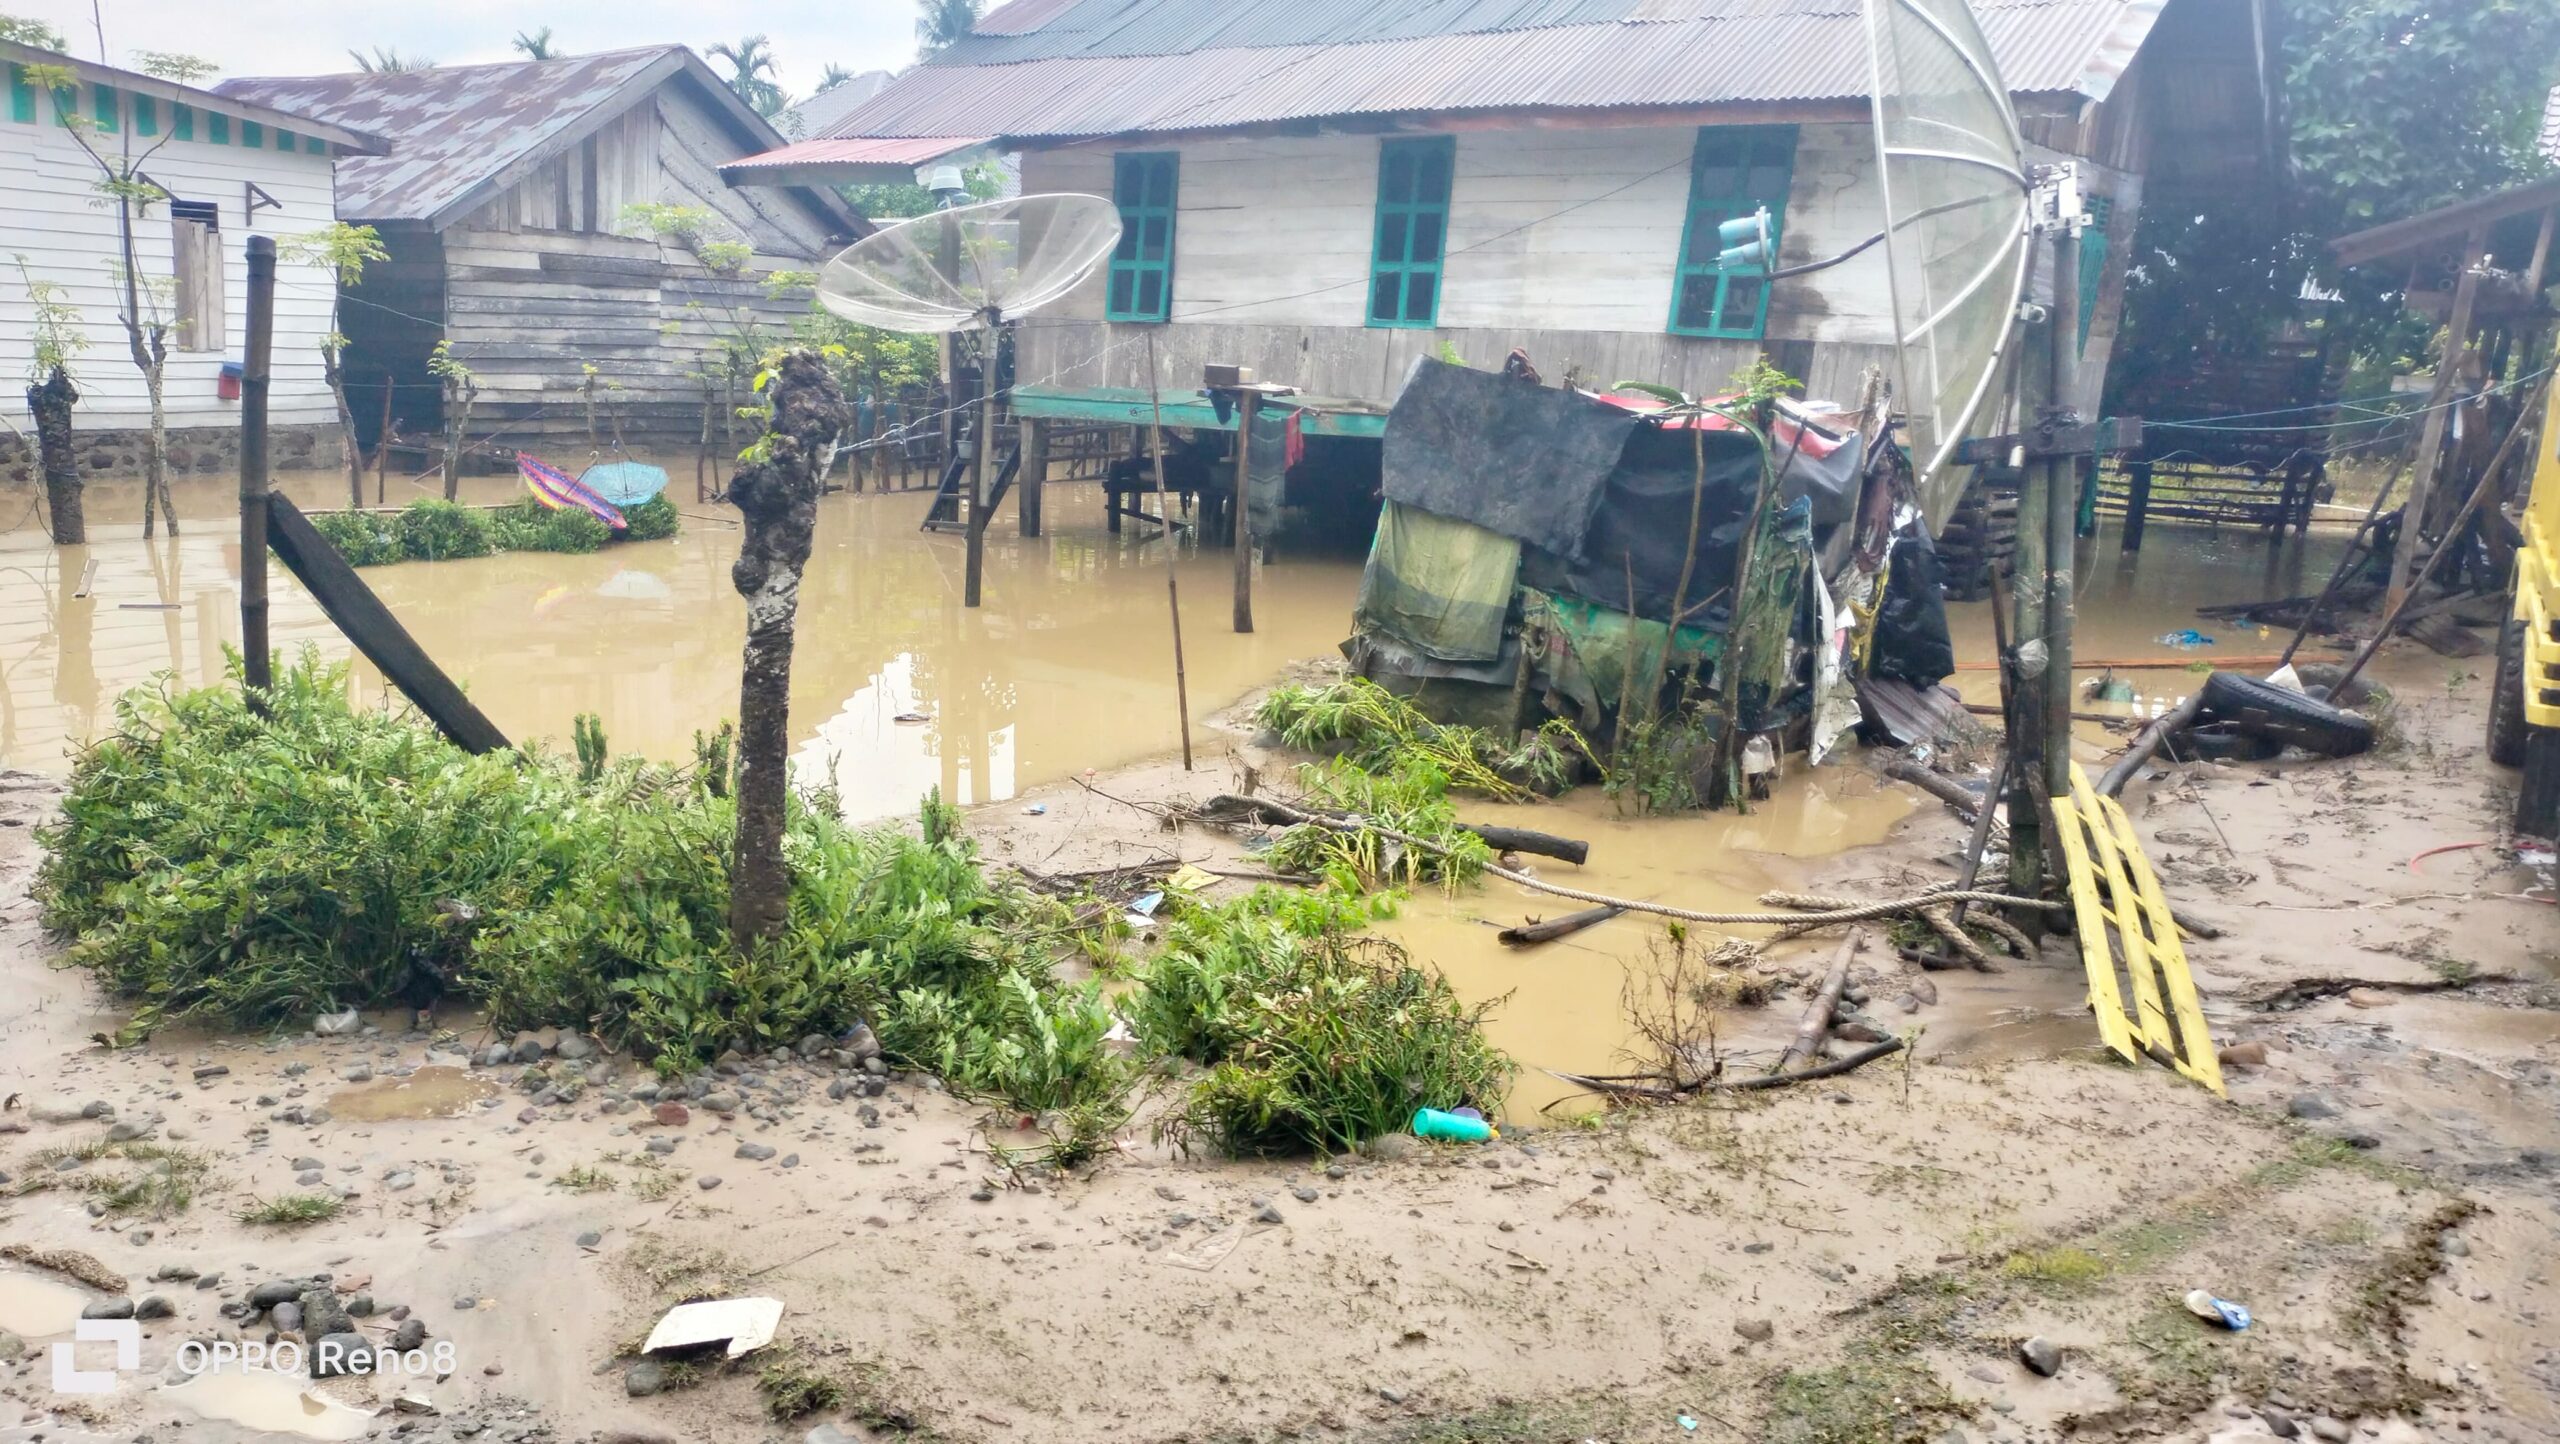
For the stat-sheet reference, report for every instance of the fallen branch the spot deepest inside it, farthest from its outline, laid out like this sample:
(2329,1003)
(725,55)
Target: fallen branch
(67,1261)
(1755,1082)
(1548,931)
(2009,932)
(1522,839)
(1816,1026)
(1943,921)
(2148,741)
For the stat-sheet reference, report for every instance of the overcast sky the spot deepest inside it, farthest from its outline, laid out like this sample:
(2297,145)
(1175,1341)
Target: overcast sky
(312,37)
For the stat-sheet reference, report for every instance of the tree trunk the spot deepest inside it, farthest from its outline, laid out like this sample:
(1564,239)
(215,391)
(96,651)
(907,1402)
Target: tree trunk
(50,404)
(335,374)
(155,467)
(779,498)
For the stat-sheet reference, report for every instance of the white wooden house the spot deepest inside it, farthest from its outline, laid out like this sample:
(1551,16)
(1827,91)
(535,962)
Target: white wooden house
(231,169)
(1324,193)
(513,207)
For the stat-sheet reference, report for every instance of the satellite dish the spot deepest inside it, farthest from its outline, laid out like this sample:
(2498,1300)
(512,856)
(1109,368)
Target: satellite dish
(1957,213)
(970,266)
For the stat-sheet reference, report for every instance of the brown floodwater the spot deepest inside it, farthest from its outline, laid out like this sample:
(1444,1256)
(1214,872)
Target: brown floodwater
(896,687)
(434,1091)
(268,1404)
(34,1308)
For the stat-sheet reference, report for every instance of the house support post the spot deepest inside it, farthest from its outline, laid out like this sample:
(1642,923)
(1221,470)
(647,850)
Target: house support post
(2422,477)
(1033,476)
(982,441)
(254,371)
(1247,402)
(2137,502)
(2062,509)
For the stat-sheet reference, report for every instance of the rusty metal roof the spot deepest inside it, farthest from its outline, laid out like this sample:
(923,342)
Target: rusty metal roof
(850,158)
(1069,68)
(462,134)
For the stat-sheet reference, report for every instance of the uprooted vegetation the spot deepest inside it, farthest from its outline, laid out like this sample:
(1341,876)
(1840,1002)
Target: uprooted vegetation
(390,868)
(433,530)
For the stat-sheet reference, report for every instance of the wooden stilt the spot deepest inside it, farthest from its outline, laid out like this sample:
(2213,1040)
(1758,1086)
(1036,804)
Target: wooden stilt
(2422,480)
(1172,544)
(1247,402)
(259,345)
(1033,477)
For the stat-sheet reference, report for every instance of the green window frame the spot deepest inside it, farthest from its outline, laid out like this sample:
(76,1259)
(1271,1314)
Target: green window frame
(66,105)
(182,122)
(22,96)
(1734,170)
(2093,260)
(253,135)
(285,140)
(1410,238)
(103,99)
(146,116)
(314,145)
(217,128)
(1143,186)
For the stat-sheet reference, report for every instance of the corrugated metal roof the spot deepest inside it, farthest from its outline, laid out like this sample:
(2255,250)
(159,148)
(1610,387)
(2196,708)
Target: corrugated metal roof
(457,131)
(1108,67)
(850,158)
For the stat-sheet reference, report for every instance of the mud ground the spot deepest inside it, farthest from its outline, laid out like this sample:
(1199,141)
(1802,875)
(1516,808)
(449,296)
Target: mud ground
(1848,1261)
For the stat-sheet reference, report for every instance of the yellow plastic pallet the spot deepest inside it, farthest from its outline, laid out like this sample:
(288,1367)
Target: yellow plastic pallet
(2163,1021)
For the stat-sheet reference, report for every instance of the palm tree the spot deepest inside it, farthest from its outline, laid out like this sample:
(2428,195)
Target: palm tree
(389,61)
(752,61)
(537,45)
(943,23)
(834,76)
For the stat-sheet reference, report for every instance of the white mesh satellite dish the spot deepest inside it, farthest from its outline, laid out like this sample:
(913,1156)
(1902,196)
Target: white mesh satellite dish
(1957,212)
(970,266)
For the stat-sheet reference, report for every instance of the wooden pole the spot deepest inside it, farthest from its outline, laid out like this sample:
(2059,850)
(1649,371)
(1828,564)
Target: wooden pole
(1246,404)
(982,441)
(1032,477)
(1172,544)
(2137,502)
(2346,562)
(2422,482)
(1816,1025)
(382,448)
(2062,478)
(259,345)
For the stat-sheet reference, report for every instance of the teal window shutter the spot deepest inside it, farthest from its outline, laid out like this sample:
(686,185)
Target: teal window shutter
(1143,186)
(1735,170)
(66,105)
(284,140)
(2093,260)
(22,96)
(182,122)
(103,97)
(1412,233)
(314,145)
(253,135)
(146,115)
(217,127)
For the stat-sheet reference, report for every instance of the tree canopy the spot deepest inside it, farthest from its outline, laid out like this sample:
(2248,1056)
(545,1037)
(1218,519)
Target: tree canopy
(751,74)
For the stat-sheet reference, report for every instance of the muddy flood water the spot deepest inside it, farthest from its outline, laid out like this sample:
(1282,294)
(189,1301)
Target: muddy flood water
(897,688)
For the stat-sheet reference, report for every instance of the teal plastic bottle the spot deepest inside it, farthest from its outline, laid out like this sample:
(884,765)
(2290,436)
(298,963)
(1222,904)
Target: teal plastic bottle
(1442,1127)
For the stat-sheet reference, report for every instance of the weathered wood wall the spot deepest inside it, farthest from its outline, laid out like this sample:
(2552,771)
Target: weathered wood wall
(555,275)
(1561,242)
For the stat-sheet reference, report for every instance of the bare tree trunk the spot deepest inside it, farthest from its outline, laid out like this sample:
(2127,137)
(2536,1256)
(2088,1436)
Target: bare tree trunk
(155,467)
(50,404)
(779,497)
(335,374)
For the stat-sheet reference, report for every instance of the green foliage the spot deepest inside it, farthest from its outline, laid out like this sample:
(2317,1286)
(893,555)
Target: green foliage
(1410,796)
(793,1386)
(364,538)
(1314,1039)
(290,1210)
(1660,760)
(751,74)
(346,250)
(214,865)
(901,199)
(652,520)
(158,1179)
(435,531)
(941,24)
(535,45)
(175,65)
(387,60)
(59,337)
(28,30)
(1759,383)
(1375,729)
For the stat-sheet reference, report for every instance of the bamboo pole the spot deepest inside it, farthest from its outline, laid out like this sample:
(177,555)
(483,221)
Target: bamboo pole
(1172,545)
(1816,1025)
(973,585)
(1247,402)
(254,374)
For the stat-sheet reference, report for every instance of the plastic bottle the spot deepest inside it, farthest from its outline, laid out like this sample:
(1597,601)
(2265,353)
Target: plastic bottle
(1452,1127)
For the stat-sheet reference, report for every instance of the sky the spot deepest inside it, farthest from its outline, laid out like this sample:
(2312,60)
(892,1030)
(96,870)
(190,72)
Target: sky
(312,37)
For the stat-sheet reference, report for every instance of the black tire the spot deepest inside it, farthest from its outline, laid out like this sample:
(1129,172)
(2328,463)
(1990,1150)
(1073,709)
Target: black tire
(2285,715)
(2538,800)
(2222,742)
(2506,703)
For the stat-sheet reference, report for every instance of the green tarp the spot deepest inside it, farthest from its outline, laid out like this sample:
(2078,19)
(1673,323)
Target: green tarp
(1439,586)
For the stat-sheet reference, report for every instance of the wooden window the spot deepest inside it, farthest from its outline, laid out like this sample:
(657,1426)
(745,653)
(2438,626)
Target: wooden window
(314,145)
(103,99)
(146,115)
(2093,261)
(1143,185)
(217,127)
(253,135)
(1735,170)
(1412,231)
(284,140)
(22,96)
(195,245)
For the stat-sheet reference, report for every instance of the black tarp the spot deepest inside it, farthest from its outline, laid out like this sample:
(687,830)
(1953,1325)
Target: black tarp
(1513,457)
(1911,643)
(1640,530)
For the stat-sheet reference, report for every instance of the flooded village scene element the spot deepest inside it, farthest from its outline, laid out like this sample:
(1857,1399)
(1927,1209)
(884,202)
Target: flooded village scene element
(1822,721)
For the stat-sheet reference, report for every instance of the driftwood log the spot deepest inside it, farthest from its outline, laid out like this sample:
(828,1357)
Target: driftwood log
(1228,806)
(2147,742)
(1623,1088)
(1816,1026)
(1553,928)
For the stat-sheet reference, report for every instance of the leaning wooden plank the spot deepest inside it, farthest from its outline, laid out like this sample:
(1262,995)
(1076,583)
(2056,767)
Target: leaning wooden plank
(2194,1046)
(2105,999)
(2151,1020)
(356,611)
